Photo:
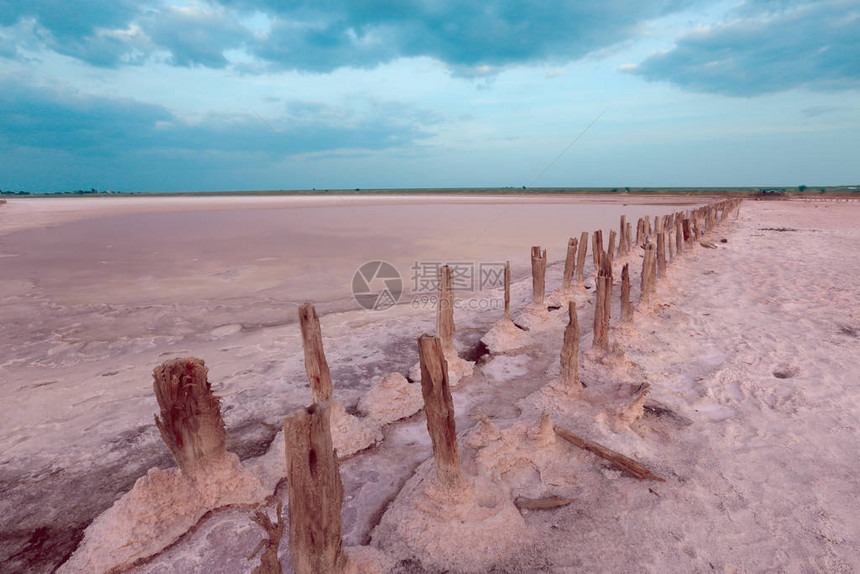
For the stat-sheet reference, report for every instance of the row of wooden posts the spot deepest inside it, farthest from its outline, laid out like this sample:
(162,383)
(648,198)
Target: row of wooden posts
(315,490)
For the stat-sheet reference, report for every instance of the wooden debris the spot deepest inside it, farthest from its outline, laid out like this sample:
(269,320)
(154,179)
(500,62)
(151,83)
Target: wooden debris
(524,503)
(190,423)
(315,492)
(708,244)
(316,365)
(439,408)
(624,463)
(269,563)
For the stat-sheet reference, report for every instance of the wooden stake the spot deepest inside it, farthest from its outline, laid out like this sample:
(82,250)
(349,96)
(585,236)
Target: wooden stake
(445,309)
(596,248)
(439,408)
(508,290)
(538,274)
(647,279)
(679,235)
(628,465)
(569,263)
(661,254)
(570,351)
(316,365)
(626,308)
(315,492)
(629,238)
(640,232)
(580,256)
(190,423)
(622,237)
(610,249)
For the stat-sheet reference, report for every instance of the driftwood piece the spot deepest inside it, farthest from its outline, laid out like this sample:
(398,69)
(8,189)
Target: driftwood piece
(624,463)
(538,274)
(570,351)
(569,263)
(580,256)
(269,563)
(190,420)
(708,244)
(316,365)
(524,503)
(626,307)
(315,492)
(445,309)
(508,290)
(439,409)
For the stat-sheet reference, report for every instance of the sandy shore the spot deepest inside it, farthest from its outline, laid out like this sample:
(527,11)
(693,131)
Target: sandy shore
(751,350)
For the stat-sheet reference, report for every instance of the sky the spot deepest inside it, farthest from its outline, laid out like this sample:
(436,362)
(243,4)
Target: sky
(162,95)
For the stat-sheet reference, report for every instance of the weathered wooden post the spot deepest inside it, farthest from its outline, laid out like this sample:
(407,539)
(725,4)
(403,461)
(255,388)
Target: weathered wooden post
(596,248)
(507,290)
(602,305)
(315,492)
(569,263)
(629,238)
(610,249)
(316,365)
(647,279)
(626,308)
(439,409)
(190,423)
(580,256)
(445,309)
(688,233)
(640,231)
(538,274)
(570,352)
(679,235)
(661,254)
(622,237)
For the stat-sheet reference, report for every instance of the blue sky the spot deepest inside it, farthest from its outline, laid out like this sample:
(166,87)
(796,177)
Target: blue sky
(167,95)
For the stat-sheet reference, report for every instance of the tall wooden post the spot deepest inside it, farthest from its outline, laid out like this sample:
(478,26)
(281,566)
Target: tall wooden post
(679,236)
(570,351)
(439,408)
(602,305)
(596,248)
(315,492)
(569,263)
(316,365)
(538,274)
(622,237)
(629,238)
(626,308)
(661,254)
(445,309)
(580,256)
(610,249)
(507,290)
(640,231)
(647,279)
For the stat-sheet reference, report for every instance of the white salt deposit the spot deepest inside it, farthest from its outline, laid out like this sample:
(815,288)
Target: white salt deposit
(391,398)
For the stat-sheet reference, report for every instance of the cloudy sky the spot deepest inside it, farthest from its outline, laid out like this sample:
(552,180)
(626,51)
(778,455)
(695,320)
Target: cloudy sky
(169,95)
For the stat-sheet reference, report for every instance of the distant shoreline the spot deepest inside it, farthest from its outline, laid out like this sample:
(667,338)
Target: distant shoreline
(850,190)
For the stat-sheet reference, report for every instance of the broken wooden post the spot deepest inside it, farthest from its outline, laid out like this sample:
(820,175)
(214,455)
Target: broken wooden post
(570,351)
(190,423)
(647,279)
(596,248)
(661,254)
(629,237)
(602,305)
(610,249)
(538,274)
(622,237)
(679,236)
(640,232)
(316,365)
(619,460)
(507,290)
(580,256)
(688,232)
(315,492)
(439,409)
(626,308)
(445,309)
(569,264)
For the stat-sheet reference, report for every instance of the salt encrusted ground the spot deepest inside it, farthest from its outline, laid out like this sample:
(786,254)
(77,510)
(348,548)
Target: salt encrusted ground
(751,352)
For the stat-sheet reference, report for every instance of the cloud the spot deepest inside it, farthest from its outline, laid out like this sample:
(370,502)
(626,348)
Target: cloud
(103,127)
(814,45)
(471,38)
